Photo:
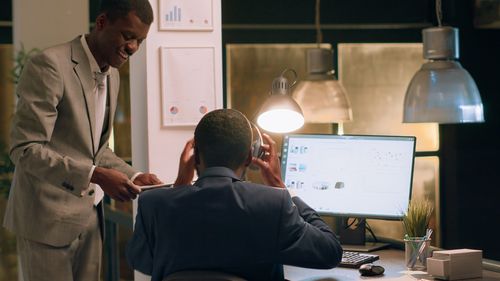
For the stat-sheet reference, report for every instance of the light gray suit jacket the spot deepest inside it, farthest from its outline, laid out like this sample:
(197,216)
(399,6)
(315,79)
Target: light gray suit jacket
(52,146)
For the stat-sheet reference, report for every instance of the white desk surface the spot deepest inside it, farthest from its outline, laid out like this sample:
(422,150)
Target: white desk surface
(392,260)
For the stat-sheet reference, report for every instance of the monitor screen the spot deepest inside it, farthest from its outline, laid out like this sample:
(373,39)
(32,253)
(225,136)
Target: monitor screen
(350,175)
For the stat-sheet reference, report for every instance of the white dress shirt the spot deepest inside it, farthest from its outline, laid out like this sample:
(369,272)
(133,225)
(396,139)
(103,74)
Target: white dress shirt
(100,97)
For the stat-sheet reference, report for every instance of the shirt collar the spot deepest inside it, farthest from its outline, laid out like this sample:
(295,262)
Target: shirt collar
(219,172)
(94,67)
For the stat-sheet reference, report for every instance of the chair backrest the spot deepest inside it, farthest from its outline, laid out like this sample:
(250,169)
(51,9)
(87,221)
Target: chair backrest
(202,275)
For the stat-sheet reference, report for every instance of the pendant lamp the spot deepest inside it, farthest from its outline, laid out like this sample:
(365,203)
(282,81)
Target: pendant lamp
(442,91)
(321,96)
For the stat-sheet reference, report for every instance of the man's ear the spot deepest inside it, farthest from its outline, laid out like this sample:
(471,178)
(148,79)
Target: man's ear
(100,21)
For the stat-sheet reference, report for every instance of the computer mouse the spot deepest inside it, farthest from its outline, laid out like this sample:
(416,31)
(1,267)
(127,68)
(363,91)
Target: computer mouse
(370,269)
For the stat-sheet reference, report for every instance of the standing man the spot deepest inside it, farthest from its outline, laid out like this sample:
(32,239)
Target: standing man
(222,223)
(59,144)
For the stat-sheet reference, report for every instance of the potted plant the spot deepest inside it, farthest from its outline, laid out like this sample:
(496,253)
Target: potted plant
(6,166)
(417,233)
(6,171)
(22,56)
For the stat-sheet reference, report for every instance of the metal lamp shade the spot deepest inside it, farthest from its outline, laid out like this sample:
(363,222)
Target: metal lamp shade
(280,114)
(323,101)
(443,92)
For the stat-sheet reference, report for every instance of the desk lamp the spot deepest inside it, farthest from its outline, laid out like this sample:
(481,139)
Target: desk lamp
(280,113)
(442,91)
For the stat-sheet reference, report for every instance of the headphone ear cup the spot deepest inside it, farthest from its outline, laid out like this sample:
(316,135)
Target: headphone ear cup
(257,142)
(256,149)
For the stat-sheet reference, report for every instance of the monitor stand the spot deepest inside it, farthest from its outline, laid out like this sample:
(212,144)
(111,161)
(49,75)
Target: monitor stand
(367,247)
(352,236)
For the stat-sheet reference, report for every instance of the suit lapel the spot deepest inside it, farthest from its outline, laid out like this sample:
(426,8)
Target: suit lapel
(82,70)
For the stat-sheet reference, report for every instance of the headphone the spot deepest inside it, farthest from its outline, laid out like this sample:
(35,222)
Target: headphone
(257,141)
(256,145)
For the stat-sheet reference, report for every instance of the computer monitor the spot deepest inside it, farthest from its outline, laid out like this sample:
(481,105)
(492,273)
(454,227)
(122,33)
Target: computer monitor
(350,176)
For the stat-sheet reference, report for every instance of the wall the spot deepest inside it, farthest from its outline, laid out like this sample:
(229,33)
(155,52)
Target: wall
(37,24)
(156,147)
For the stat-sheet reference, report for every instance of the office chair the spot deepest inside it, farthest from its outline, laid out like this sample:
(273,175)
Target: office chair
(202,275)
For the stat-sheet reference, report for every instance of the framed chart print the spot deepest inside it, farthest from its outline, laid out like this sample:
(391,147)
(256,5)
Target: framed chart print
(185,101)
(185,15)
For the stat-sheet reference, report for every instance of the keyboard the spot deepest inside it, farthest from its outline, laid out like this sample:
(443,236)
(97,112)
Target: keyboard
(356,259)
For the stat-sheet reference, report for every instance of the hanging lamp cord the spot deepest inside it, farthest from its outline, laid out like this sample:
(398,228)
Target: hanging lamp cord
(439,12)
(319,35)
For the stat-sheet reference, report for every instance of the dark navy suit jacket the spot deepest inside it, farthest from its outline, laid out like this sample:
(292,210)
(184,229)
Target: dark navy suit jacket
(222,223)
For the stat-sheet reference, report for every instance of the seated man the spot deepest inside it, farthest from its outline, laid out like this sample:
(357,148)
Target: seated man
(223,223)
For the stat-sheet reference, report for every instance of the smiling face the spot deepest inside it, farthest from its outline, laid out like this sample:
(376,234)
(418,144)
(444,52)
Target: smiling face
(115,41)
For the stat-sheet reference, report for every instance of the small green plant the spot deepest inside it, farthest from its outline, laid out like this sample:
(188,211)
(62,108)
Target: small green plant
(416,219)
(6,171)
(6,166)
(22,56)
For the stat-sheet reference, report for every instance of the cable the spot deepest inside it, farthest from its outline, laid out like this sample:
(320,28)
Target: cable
(348,222)
(319,35)
(439,12)
(367,226)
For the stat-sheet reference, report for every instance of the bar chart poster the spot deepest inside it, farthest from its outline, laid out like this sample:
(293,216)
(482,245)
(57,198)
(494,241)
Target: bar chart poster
(187,83)
(186,15)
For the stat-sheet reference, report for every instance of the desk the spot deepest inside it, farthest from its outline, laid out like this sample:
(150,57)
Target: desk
(392,260)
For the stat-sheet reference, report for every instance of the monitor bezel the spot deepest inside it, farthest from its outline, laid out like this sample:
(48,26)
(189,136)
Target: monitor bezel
(349,215)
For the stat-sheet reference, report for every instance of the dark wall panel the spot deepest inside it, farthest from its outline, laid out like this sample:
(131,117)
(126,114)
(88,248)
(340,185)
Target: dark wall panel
(6,10)
(332,11)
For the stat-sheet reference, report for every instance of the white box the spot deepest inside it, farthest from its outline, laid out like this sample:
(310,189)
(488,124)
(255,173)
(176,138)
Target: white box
(456,264)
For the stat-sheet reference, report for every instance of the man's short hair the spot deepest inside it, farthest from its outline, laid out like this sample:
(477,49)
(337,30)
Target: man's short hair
(116,9)
(223,137)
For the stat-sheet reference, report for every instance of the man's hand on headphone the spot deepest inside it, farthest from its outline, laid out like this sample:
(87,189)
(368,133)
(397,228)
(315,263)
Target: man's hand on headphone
(269,163)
